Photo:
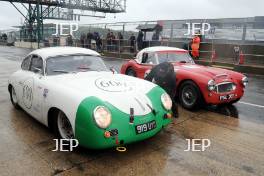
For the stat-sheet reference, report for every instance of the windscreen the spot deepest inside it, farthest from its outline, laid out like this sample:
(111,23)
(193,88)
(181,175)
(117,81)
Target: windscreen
(73,64)
(174,57)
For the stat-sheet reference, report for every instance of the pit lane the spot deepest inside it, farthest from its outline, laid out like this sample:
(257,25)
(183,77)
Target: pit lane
(236,134)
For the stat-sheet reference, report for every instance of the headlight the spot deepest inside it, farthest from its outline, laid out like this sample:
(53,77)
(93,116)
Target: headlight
(245,81)
(166,101)
(211,85)
(102,116)
(233,87)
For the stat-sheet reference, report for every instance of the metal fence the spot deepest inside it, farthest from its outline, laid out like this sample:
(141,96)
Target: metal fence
(217,44)
(210,52)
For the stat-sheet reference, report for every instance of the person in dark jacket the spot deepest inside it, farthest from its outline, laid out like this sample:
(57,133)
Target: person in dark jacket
(140,40)
(82,40)
(132,40)
(69,40)
(98,41)
(120,41)
(89,40)
(164,75)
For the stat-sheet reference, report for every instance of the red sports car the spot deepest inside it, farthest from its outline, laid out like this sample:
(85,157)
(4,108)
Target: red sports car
(196,84)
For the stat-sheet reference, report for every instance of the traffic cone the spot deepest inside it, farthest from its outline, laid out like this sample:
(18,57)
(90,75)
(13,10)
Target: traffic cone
(241,58)
(213,56)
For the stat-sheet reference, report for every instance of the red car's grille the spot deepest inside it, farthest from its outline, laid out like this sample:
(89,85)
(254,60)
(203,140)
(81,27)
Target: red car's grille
(225,87)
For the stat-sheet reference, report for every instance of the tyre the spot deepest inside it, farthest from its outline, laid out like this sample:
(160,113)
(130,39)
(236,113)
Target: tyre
(62,126)
(13,97)
(131,72)
(190,96)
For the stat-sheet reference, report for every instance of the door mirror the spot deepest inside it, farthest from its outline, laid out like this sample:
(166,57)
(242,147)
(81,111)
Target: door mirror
(113,70)
(37,70)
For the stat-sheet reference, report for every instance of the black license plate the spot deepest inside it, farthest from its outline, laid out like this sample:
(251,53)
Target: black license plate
(226,97)
(142,128)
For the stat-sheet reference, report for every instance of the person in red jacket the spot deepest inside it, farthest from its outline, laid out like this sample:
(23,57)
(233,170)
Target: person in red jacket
(195,46)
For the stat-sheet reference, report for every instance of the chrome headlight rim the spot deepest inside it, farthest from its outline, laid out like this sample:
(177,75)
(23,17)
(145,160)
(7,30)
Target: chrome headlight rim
(244,81)
(97,120)
(166,101)
(211,85)
(234,86)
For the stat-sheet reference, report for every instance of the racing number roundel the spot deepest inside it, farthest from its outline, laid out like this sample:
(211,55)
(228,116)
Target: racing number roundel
(113,85)
(28,93)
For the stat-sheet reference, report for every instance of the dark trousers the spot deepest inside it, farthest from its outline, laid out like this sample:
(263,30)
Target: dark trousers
(174,107)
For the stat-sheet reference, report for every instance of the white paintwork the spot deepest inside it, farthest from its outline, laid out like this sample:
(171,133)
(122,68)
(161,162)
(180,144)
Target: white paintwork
(37,93)
(56,51)
(155,49)
(192,66)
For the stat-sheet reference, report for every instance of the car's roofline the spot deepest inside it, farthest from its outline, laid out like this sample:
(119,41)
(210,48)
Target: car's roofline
(45,53)
(157,49)
(161,48)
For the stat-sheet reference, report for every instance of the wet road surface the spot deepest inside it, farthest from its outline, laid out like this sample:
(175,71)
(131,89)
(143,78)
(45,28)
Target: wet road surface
(236,134)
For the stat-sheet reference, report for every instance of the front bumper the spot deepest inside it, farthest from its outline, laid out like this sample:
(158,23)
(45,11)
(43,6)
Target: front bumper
(91,136)
(212,97)
(127,132)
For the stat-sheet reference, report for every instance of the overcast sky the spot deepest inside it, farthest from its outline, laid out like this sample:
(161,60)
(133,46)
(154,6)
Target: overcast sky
(140,10)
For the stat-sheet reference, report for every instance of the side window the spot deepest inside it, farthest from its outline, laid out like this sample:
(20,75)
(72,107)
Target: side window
(151,59)
(36,65)
(144,58)
(26,63)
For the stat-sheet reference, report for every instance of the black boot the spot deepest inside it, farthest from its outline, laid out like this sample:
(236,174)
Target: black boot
(175,110)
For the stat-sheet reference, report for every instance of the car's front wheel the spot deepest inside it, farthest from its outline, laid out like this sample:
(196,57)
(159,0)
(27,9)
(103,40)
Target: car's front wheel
(131,72)
(63,127)
(190,96)
(13,97)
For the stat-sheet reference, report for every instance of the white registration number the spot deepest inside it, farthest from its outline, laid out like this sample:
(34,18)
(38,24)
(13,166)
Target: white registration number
(146,127)
(226,97)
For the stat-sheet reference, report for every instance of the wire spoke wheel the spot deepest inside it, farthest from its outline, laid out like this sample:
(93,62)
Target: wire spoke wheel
(189,96)
(64,126)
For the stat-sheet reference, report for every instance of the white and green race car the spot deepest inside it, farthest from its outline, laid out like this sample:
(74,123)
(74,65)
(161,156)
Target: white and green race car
(71,91)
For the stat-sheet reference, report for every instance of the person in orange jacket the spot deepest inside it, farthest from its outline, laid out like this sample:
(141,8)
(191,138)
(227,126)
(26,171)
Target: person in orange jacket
(195,46)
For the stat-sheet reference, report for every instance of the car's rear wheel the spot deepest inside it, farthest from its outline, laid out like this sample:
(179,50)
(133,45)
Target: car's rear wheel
(131,72)
(63,127)
(13,97)
(190,96)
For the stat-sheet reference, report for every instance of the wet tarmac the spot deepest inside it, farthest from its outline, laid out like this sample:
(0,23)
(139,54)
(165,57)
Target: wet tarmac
(236,134)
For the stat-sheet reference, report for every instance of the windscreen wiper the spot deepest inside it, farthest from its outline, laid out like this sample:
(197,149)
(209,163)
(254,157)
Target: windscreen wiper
(84,68)
(61,71)
(184,62)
